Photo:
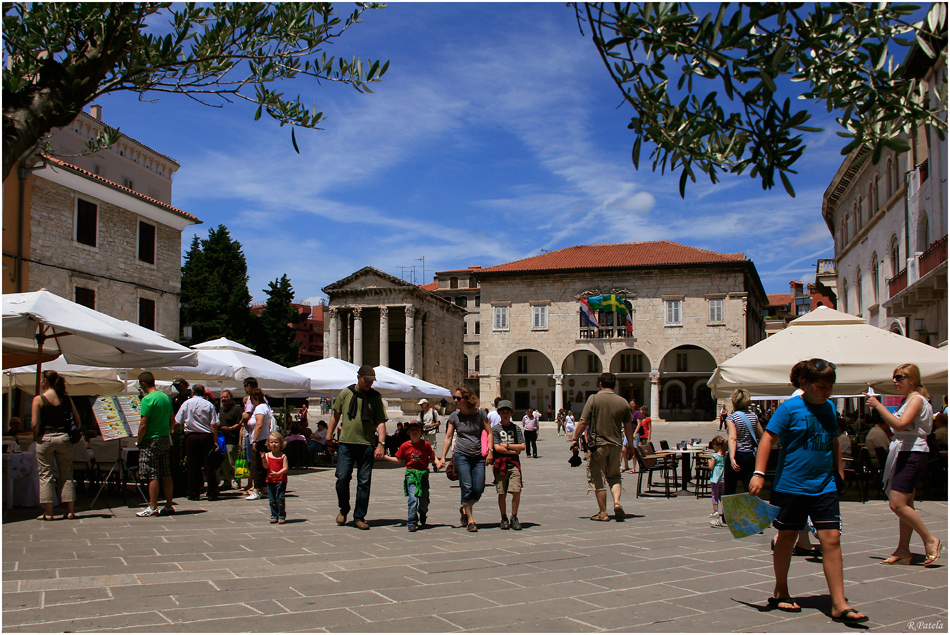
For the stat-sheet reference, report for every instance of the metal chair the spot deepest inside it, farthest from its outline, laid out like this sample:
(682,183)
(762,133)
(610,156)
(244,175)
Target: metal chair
(650,464)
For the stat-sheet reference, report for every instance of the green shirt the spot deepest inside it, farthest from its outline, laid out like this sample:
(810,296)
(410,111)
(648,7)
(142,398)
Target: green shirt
(355,430)
(157,406)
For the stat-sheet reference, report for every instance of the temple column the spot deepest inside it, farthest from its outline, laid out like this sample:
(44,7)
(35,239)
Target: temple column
(655,394)
(558,393)
(384,336)
(358,336)
(410,340)
(333,334)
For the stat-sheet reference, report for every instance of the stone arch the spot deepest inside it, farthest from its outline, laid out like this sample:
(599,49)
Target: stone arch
(896,327)
(632,367)
(580,369)
(923,232)
(526,377)
(690,366)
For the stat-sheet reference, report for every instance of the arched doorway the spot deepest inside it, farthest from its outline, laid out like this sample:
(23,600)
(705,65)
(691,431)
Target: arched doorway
(527,379)
(632,368)
(580,370)
(684,395)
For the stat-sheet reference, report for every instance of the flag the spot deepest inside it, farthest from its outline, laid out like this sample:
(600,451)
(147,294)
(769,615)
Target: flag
(588,313)
(594,302)
(613,303)
(629,316)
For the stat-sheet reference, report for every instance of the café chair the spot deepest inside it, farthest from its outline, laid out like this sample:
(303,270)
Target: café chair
(651,464)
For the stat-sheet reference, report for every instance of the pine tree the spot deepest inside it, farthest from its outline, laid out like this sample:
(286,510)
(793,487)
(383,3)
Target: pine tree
(277,336)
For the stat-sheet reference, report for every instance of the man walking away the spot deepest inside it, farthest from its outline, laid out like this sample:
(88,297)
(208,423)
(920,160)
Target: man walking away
(199,420)
(607,416)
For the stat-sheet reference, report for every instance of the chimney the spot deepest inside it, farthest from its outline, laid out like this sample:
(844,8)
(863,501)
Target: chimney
(96,111)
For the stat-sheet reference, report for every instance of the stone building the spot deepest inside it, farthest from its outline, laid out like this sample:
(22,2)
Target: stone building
(889,223)
(378,319)
(100,231)
(690,309)
(461,289)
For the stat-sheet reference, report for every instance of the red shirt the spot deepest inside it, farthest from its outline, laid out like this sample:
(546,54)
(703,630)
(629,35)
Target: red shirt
(416,455)
(275,465)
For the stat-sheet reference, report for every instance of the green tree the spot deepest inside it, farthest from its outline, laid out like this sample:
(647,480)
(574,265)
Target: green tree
(60,56)
(215,301)
(671,63)
(275,332)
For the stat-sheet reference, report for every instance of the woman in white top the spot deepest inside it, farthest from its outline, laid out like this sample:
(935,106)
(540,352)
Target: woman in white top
(257,429)
(907,461)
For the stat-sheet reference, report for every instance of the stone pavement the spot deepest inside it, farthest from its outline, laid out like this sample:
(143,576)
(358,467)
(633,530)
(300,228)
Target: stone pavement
(222,567)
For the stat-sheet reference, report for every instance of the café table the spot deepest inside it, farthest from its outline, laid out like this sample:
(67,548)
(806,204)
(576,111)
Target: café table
(686,464)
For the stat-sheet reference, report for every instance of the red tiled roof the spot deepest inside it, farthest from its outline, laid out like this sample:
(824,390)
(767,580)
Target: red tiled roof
(432,286)
(115,185)
(619,255)
(779,299)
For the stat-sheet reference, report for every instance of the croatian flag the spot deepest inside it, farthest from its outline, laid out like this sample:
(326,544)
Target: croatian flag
(588,313)
(629,317)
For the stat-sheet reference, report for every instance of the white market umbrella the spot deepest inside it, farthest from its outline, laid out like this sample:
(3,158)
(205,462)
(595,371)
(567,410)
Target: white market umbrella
(39,324)
(862,354)
(420,388)
(271,376)
(329,376)
(80,380)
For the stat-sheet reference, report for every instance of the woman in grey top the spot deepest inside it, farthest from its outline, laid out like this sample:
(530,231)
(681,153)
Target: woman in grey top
(470,464)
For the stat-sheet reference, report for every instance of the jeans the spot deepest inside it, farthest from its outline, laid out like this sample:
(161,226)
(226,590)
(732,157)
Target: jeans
(418,502)
(276,493)
(530,440)
(471,471)
(361,456)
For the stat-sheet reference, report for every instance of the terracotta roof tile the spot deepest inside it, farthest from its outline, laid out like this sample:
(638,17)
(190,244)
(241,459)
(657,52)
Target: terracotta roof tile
(779,299)
(643,254)
(115,185)
(432,286)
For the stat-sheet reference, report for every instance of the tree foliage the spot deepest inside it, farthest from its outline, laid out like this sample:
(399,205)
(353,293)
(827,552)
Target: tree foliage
(276,335)
(706,86)
(60,56)
(215,301)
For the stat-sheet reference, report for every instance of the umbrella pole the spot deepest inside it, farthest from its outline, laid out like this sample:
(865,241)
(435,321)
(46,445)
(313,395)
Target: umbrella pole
(40,340)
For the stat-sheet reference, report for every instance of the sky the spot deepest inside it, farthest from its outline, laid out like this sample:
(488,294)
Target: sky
(496,134)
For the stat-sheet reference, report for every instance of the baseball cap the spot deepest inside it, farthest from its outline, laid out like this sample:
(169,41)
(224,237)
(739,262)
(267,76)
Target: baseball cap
(415,423)
(367,371)
(422,402)
(505,403)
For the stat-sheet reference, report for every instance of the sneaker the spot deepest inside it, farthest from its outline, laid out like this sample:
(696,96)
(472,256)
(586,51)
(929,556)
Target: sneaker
(714,515)
(717,522)
(273,521)
(253,496)
(166,511)
(504,523)
(413,528)
(282,521)
(148,511)
(515,524)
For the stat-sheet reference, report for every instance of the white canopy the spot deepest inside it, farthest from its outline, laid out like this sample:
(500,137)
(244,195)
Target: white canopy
(80,380)
(271,376)
(420,388)
(40,324)
(862,354)
(331,375)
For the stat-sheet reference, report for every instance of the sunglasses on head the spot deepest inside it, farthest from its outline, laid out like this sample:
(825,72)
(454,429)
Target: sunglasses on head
(899,378)
(821,366)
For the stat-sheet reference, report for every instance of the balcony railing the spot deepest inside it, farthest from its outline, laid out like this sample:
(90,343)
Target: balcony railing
(935,254)
(603,334)
(897,284)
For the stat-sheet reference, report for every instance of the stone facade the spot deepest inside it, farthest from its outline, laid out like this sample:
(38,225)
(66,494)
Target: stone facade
(545,356)
(889,222)
(377,319)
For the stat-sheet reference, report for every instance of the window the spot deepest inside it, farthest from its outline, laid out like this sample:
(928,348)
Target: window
(593,364)
(673,311)
(86,297)
(715,310)
(923,232)
(889,175)
(631,363)
(147,242)
(478,301)
(500,318)
(147,313)
(478,328)
(844,296)
(682,360)
(464,328)
(539,317)
(453,283)
(895,257)
(478,363)
(129,183)
(87,223)
(472,284)
(461,301)
(875,279)
(522,363)
(858,290)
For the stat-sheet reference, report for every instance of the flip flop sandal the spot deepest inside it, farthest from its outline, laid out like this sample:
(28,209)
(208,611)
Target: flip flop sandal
(70,516)
(897,560)
(45,517)
(846,617)
(933,557)
(774,604)
(601,516)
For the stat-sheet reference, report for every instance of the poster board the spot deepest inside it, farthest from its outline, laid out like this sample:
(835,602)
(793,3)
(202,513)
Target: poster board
(117,417)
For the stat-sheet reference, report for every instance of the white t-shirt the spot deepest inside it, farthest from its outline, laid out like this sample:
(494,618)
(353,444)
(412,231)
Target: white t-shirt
(494,418)
(569,423)
(914,438)
(262,409)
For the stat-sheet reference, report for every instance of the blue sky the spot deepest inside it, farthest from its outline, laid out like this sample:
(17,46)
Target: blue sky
(496,134)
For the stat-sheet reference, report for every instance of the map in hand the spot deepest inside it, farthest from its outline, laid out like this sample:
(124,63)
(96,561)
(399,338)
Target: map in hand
(747,515)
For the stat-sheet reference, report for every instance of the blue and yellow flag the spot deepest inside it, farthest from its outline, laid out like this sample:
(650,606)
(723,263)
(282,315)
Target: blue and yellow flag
(608,303)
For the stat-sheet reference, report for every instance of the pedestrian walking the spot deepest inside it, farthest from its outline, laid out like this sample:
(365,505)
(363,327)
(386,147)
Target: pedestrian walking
(717,467)
(415,454)
(508,440)
(531,422)
(277,467)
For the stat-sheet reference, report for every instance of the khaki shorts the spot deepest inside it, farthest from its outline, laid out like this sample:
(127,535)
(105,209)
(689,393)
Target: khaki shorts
(605,466)
(509,482)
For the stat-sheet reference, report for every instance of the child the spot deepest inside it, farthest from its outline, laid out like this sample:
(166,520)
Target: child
(277,467)
(416,454)
(642,433)
(716,483)
(509,442)
(804,483)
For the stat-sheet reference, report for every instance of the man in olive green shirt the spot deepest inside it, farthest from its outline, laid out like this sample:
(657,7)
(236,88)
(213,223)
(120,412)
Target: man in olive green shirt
(362,415)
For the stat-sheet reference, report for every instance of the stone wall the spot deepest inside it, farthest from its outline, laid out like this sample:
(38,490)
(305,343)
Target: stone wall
(112,268)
